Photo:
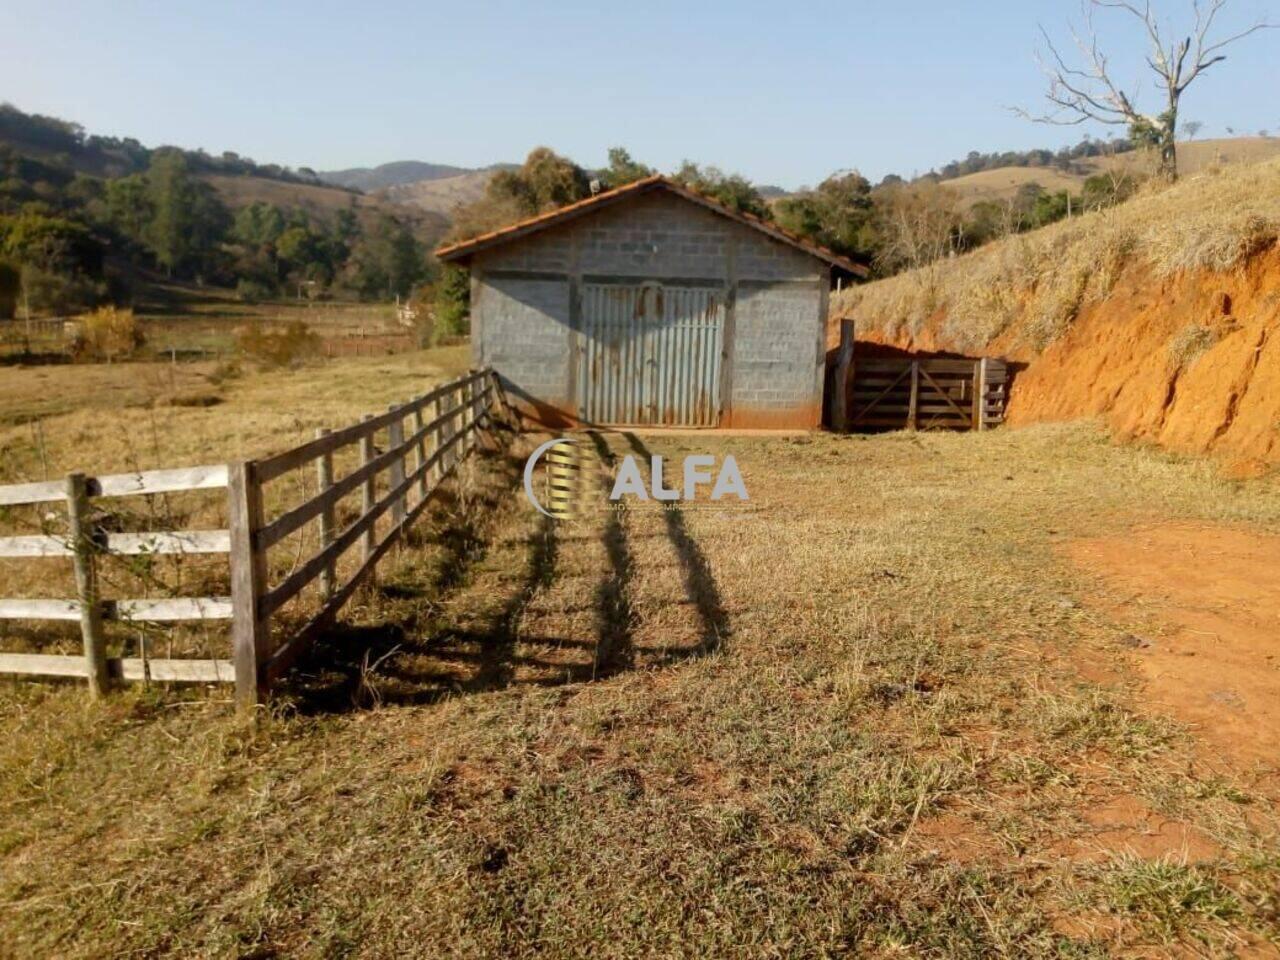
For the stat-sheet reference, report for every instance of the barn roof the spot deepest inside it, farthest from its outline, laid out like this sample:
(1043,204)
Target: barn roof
(523,228)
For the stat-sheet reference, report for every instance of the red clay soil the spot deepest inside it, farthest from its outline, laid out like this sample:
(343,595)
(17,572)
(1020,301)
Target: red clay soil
(1212,658)
(1115,363)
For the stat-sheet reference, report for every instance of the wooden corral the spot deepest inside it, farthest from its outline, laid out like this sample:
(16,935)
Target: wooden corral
(914,392)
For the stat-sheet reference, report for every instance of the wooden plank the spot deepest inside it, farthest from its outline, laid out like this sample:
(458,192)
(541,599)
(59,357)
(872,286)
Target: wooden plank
(42,665)
(35,546)
(80,535)
(883,393)
(979,390)
(289,651)
(894,364)
(285,524)
(173,671)
(933,383)
(174,542)
(360,529)
(913,402)
(19,493)
(250,627)
(271,467)
(165,609)
(160,481)
(23,609)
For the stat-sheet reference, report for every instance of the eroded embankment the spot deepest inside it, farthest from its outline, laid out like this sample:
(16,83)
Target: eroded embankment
(1190,361)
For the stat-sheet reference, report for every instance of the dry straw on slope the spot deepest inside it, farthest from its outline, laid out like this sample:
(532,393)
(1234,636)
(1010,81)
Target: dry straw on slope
(1031,286)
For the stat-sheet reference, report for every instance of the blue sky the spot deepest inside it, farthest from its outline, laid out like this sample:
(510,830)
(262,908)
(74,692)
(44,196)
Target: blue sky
(784,92)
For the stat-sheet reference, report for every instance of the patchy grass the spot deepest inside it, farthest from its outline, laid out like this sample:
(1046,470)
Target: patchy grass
(723,730)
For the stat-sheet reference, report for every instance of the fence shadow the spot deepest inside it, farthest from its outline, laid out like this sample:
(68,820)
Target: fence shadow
(420,658)
(700,584)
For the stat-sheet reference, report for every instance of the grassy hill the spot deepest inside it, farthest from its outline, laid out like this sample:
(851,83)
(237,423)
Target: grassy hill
(324,201)
(1193,157)
(391,174)
(439,197)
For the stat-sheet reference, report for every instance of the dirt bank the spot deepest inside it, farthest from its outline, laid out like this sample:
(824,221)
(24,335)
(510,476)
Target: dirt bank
(1191,362)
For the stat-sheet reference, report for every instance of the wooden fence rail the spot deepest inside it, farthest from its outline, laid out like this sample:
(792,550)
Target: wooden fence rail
(415,459)
(915,393)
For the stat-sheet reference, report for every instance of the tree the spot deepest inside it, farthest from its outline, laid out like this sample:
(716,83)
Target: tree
(1089,92)
(917,225)
(622,169)
(387,260)
(732,189)
(1192,129)
(187,219)
(838,214)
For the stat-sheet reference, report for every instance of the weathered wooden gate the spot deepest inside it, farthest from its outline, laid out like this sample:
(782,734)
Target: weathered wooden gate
(914,394)
(651,354)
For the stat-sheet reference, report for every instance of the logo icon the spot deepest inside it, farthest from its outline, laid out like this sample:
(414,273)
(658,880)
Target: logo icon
(562,477)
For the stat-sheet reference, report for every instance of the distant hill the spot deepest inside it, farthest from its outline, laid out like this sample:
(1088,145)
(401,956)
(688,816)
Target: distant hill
(399,173)
(1193,157)
(440,197)
(323,201)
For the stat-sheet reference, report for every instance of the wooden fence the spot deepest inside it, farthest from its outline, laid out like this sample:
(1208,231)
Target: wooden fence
(425,441)
(914,393)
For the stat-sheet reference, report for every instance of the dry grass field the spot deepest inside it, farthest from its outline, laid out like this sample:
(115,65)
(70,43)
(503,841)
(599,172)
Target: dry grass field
(890,707)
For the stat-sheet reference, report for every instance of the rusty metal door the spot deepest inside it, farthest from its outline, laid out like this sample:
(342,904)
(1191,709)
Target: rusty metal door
(651,355)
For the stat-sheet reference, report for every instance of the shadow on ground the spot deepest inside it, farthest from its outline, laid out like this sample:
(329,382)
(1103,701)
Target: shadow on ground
(416,653)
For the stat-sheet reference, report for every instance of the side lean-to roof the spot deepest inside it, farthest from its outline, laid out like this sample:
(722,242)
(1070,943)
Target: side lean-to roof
(464,250)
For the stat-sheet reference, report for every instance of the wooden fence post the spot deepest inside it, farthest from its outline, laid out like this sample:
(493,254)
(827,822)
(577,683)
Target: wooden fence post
(844,360)
(250,632)
(82,543)
(437,436)
(418,424)
(468,418)
(395,440)
(913,404)
(368,500)
(980,395)
(324,480)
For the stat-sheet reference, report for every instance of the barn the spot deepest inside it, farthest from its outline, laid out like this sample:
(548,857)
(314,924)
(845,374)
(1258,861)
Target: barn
(652,304)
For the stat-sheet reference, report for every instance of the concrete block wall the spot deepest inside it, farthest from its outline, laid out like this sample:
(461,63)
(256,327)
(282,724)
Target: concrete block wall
(775,348)
(524,336)
(521,314)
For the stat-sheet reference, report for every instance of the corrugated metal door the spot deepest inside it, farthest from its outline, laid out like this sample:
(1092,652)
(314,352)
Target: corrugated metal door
(650,355)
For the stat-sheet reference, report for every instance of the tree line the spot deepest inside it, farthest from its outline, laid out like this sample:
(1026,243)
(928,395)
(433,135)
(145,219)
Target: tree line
(70,146)
(69,240)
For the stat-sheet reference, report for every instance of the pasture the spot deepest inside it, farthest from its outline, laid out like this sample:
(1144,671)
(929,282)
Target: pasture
(903,702)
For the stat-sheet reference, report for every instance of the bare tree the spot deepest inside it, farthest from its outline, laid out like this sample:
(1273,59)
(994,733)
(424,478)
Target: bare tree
(1089,92)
